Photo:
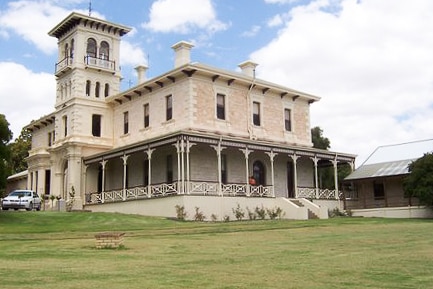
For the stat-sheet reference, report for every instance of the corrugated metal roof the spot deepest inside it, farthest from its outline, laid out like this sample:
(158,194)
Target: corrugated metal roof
(381,170)
(391,160)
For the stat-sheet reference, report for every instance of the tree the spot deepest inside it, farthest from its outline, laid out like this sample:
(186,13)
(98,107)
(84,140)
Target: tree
(419,183)
(19,152)
(319,141)
(326,171)
(5,137)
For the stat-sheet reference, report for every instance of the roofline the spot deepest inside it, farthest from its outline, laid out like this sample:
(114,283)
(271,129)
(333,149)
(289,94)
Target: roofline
(74,18)
(215,73)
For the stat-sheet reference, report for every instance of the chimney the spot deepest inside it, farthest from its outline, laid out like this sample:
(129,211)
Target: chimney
(248,68)
(182,53)
(141,73)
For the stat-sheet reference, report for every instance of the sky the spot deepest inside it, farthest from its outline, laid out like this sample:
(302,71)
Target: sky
(370,61)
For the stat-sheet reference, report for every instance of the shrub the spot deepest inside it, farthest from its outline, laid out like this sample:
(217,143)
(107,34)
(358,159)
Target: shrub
(275,213)
(337,213)
(226,218)
(199,216)
(251,214)
(261,213)
(214,218)
(180,212)
(239,213)
(70,202)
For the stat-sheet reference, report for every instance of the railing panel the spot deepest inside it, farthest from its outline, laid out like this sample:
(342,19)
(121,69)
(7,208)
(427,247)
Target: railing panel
(99,62)
(203,188)
(136,193)
(163,190)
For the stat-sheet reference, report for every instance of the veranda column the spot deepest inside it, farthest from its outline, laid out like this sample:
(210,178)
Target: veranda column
(316,178)
(295,173)
(125,174)
(84,178)
(188,175)
(335,163)
(271,157)
(149,168)
(103,164)
(180,166)
(182,151)
(218,150)
(246,152)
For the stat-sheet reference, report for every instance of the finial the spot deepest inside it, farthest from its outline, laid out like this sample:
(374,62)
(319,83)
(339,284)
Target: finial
(90,7)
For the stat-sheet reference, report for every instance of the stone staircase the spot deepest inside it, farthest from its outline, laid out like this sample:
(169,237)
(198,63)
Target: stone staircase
(311,214)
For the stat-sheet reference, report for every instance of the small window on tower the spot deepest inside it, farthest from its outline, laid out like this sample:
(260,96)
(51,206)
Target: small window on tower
(125,122)
(88,87)
(97,89)
(96,125)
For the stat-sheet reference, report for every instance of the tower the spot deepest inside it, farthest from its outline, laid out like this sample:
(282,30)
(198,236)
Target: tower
(87,71)
(88,58)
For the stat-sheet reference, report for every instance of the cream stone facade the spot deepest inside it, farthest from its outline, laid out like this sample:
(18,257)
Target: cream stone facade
(194,131)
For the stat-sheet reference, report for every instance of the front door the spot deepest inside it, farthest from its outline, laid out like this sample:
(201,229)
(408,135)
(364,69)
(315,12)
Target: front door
(259,173)
(290,182)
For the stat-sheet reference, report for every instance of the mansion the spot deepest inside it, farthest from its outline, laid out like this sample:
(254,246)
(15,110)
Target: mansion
(194,131)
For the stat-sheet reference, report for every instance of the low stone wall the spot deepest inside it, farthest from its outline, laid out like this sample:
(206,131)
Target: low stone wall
(110,240)
(395,212)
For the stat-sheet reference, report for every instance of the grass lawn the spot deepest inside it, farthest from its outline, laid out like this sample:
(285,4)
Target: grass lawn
(57,250)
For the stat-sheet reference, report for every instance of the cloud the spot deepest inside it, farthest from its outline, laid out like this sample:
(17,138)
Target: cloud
(252,32)
(44,16)
(179,17)
(374,73)
(131,54)
(36,98)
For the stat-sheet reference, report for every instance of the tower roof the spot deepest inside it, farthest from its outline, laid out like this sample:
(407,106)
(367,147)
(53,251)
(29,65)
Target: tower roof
(75,19)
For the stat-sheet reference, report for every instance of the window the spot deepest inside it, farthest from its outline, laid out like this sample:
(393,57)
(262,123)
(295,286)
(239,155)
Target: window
(104,50)
(107,90)
(66,52)
(169,163)
(65,125)
(220,107)
(88,83)
(287,119)
(91,47)
(379,190)
(125,122)
(96,125)
(72,49)
(169,105)
(47,182)
(146,115)
(256,113)
(97,89)
(50,139)
(223,169)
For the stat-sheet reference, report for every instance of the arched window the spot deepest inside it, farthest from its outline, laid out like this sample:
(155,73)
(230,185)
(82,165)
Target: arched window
(259,172)
(91,47)
(71,54)
(97,89)
(107,90)
(66,52)
(104,51)
(88,88)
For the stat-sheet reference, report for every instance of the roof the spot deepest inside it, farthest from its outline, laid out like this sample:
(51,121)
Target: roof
(75,18)
(402,151)
(386,169)
(18,175)
(190,69)
(391,160)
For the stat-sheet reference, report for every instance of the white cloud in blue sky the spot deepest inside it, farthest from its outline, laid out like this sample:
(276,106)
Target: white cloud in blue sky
(371,61)
(183,16)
